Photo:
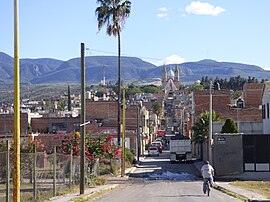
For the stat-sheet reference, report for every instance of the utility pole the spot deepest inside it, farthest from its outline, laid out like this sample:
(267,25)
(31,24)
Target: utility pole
(138,132)
(210,125)
(82,159)
(16,172)
(123,136)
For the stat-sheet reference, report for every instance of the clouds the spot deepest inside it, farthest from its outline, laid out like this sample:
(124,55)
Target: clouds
(198,8)
(162,12)
(173,59)
(195,8)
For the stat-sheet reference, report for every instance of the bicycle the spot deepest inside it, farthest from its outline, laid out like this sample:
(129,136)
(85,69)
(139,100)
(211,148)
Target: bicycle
(207,186)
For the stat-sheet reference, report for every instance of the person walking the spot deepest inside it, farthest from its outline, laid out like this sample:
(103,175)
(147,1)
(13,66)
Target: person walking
(207,172)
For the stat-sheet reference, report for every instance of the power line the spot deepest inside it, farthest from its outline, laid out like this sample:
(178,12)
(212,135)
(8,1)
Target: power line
(113,53)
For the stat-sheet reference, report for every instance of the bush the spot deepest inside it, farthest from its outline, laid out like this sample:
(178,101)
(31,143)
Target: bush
(129,155)
(229,127)
(106,168)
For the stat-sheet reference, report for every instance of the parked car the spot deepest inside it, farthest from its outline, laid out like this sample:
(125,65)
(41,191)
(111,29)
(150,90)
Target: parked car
(152,150)
(160,139)
(158,145)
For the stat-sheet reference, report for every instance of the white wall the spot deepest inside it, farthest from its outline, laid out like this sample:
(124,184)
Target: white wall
(244,127)
(265,100)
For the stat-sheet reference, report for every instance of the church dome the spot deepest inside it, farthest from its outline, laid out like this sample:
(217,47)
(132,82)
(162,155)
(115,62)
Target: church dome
(170,74)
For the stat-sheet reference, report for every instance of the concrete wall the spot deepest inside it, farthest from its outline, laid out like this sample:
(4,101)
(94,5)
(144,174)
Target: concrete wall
(244,127)
(228,154)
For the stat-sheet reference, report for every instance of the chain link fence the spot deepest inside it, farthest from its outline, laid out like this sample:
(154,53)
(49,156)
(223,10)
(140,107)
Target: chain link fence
(42,175)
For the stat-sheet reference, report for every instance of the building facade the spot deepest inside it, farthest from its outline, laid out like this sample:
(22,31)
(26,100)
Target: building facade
(265,108)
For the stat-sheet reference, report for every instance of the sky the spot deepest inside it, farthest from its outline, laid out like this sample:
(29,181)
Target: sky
(157,31)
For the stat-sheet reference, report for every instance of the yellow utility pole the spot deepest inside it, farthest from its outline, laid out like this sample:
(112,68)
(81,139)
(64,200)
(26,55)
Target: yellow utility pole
(16,174)
(123,136)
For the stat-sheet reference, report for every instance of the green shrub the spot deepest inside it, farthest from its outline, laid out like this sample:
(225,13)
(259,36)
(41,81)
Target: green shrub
(129,155)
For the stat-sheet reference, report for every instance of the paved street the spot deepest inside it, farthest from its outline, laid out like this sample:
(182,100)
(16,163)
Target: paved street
(157,165)
(163,190)
(155,180)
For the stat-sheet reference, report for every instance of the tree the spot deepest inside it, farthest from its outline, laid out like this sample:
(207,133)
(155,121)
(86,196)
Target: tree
(196,87)
(157,108)
(151,89)
(69,100)
(229,127)
(61,106)
(201,126)
(110,150)
(95,148)
(113,13)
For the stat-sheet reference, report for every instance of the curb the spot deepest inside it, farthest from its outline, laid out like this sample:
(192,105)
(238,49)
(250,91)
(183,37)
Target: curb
(95,193)
(231,193)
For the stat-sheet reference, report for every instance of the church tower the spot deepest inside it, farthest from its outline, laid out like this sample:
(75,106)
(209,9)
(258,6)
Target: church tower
(176,74)
(164,74)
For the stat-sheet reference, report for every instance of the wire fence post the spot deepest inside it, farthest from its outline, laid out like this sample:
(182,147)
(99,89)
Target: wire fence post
(70,166)
(7,171)
(54,170)
(34,172)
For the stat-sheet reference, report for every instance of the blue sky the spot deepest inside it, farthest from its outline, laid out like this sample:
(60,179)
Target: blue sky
(158,31)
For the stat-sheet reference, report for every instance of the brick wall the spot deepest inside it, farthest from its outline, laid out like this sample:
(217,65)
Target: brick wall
(7,124)
(220,101)
(104,110)
(252,94)
(45,124)
(244,115)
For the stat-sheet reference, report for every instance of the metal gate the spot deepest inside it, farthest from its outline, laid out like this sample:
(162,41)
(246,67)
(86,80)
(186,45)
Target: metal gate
(256,152)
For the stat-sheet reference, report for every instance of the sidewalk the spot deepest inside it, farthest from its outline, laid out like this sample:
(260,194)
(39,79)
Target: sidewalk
(224,186)
(112,183)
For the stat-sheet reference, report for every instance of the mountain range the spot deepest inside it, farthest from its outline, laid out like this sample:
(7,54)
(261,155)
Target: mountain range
(53,71)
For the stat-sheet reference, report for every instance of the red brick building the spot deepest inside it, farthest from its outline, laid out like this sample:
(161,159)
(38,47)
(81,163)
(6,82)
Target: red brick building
(7,124)
(55,124)
(251,112)
(220,100)
(104,112)
(252,94)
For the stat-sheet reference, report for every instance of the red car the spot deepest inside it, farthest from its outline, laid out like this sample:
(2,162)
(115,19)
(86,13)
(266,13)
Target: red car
(158,145)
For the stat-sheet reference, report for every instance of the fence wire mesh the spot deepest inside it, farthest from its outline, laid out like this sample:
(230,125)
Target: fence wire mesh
(40,174)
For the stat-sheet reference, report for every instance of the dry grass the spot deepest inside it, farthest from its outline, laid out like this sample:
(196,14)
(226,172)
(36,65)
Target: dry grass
(260,187)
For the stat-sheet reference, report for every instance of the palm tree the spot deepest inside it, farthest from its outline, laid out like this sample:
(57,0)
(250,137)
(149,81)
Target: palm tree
(113,13)
(201,126)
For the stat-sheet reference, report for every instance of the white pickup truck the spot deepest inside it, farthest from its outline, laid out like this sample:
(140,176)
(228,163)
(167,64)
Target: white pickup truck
(180,150)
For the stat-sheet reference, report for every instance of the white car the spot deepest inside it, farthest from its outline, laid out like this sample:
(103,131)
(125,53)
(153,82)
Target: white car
(153,151)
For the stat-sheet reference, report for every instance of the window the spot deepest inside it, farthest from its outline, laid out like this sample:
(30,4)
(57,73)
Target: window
(58,127)
(268,110)
(263,111)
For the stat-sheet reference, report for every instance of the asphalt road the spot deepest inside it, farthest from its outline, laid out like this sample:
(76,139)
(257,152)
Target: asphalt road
(158,180)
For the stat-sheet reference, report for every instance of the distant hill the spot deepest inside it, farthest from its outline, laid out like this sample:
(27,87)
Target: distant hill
(52,71)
